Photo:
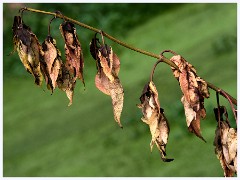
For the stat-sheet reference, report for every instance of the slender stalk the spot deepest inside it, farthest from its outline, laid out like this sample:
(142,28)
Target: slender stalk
(163,59)
(222,92)
(59,15)
(153,69)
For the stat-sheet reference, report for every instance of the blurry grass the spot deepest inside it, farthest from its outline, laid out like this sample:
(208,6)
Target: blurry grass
(44,137)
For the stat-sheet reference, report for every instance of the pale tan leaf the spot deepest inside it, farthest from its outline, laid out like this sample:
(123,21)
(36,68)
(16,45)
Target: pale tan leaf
(225,143)
(232,143)
(117,95)
(154,116)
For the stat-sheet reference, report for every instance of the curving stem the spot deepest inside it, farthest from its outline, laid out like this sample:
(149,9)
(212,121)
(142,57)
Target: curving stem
(164,59)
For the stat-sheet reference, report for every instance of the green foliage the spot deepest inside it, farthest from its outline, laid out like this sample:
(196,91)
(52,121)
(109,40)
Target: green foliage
(44,137)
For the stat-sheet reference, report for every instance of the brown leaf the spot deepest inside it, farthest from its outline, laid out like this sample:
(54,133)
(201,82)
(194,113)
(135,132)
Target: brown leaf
(194,91)
(73,50)
(46,74)
(105,56)
(154,116)
(66,83)
(115,90)
(28,48)
(225,143)
(192,119)
(52,58)
(117,95)
(102,83)
(107,80)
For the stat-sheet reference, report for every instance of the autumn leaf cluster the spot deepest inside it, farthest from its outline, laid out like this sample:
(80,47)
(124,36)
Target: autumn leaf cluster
(44,62)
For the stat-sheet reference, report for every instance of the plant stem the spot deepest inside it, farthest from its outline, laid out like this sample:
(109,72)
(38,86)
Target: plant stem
(163,59)
(59,15)
(222,92)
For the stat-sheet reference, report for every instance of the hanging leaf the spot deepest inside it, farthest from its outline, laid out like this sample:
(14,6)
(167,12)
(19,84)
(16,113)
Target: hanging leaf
(194,91)
(106,80)
(51,61)
(28,48)
(192,118)
(225,143)
(154,116)
(66,83)
(73,50)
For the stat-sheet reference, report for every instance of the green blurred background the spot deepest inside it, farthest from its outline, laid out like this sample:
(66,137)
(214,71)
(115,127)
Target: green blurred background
(44,137)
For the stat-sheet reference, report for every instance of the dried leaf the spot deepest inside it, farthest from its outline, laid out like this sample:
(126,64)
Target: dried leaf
(73,50)
(117,95)
(225,143)
(52,58)
(28,48)
(105,56)
(46,74)
(102,83)
(107,80)
(66,83)
(154,116)
(194,91)
(192,118)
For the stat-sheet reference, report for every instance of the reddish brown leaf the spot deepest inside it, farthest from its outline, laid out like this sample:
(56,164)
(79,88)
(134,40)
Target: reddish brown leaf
(107,80)
(52,58)
(105,56)
(192,118)
(102,83)
(73,50)
(194,91)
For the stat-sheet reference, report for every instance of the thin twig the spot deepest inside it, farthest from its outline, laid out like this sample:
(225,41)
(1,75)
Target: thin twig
(153,69)
(231,104)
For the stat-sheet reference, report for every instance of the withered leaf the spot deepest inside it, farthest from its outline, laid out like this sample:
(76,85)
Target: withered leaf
(154,116)
(52,58)
(107,80)
(105,56)
(194,91)
(73,50)
(225,143)
(28,48)
(192,118)
(102,83)
(66,83)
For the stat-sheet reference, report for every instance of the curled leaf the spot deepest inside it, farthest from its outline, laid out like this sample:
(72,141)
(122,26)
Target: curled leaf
(51,58)
(194,91)
(28,48)
(73,50)
(154,116)
(106,80)
(225,143)
(66,83)
(192,119)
